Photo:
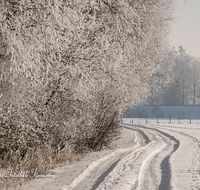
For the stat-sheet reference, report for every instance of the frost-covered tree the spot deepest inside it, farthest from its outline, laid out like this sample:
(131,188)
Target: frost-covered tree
(69,68)
(185,79)
(160,81)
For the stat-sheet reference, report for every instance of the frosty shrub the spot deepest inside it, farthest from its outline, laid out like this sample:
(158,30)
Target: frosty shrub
(69,68)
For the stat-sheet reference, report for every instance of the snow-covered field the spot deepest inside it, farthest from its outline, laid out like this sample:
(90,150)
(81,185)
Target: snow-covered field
(149,155)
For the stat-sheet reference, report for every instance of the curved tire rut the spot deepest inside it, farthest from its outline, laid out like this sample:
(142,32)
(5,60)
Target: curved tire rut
(194,168)
(144,166)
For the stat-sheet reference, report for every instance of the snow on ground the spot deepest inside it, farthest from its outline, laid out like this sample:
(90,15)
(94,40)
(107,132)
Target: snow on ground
(150,155)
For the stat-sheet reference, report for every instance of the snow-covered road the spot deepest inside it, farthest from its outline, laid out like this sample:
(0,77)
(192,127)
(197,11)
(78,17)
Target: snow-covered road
(144,166)
(147,157)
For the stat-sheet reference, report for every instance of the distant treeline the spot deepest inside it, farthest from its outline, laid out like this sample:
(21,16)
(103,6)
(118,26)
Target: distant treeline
(184,85)
(176,112)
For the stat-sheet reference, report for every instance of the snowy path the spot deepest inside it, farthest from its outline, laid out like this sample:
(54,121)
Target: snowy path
(147,157)
(144,166)
(186,161)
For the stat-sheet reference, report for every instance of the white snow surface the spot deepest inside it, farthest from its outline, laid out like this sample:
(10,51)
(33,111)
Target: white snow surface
(158,155)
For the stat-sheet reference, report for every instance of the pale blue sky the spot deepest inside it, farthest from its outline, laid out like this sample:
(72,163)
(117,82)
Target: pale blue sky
(186,29)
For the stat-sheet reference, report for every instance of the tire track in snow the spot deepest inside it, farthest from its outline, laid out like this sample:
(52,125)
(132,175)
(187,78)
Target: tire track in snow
(103,176)
(194,169)
(165,165)
(99,169)
(165,181)
(144,166)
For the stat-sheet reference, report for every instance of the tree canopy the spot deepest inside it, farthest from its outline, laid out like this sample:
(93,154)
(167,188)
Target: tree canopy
(69,68)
